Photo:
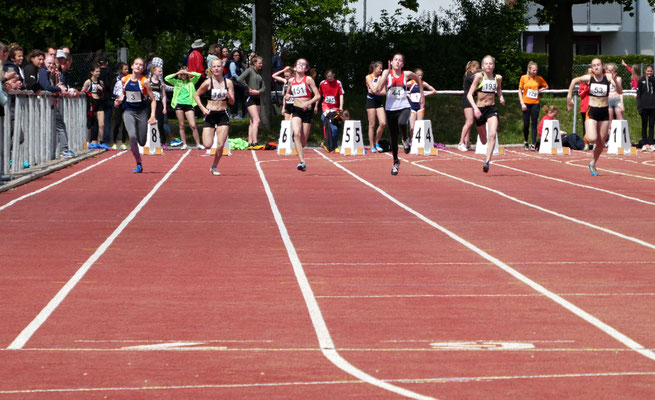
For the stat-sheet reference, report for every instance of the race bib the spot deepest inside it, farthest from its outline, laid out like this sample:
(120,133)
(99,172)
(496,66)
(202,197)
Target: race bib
(133,97)
(299,90)
(157,96)
(396,92)
(489,86)
(598,90)
(330,100)
(415,97)
(532,94)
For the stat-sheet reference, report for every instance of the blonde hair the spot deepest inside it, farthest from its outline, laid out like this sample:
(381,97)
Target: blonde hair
(470,65)
(530,65)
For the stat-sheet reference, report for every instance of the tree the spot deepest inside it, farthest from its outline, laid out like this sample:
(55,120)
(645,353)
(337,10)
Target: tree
(264,47)
(558,14)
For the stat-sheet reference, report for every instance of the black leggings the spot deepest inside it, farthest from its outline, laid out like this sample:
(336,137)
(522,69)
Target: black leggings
(647,121)
(531,114)
(397,120)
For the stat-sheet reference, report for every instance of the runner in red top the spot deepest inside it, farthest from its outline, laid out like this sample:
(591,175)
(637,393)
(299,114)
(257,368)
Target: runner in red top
(331,92)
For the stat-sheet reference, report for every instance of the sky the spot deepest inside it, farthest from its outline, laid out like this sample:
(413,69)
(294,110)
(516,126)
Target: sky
(373,8)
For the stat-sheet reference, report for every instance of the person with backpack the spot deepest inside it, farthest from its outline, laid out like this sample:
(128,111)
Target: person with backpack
(134,99)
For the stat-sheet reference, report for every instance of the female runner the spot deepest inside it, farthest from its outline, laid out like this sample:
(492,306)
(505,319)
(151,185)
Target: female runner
(287,104)
(597,119)
(95,86)
(487,84)
(615,99)
(417,112)
(530,88)
(136,91)
(217,118)
(393,82)
(472,68)
(305,95)
(159,91)
(251,79)
(375,106)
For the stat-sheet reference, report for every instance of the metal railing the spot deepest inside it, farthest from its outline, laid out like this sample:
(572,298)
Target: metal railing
(27,131)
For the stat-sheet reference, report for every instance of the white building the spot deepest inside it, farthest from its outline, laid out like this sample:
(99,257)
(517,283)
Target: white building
(599,29)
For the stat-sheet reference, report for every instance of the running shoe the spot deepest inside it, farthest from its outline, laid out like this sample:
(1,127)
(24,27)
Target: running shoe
(651,147)
(325,147)
(214,171)
(67,154)
(208,152)
(176,143)
(645,148)
(123,146)
(462,147)
(93,146)
(200,147)
(302,166)
(485,167)
(586,147)
(373,149)
(526,146)
(394,169)
(379,148)
(138,169)
(103,146)
(592,169)
(26,164)
(532,148)
(337,150)
(114,147)
(407,146)
(184,147)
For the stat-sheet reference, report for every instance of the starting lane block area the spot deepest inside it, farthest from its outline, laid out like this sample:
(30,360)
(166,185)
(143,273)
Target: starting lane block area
(153,142)
(352,142)
(551,138)
(619,139)
(423,139)
(285,144)
(226,148)
(482,148)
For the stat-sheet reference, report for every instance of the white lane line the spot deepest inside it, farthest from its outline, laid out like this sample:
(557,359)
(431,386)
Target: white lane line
(321,383)
(628,342)
(25,196)
(555,213)
(498,163)
(320,327)
(355,264)
(445,296)
(27,333)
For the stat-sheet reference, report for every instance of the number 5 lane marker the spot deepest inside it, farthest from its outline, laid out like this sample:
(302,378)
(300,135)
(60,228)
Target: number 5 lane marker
(320,327)
(27,333)
(522,278)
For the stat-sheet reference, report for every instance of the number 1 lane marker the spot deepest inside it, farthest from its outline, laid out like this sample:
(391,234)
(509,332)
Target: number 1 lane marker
(27,333)
(628,342)
(320,327)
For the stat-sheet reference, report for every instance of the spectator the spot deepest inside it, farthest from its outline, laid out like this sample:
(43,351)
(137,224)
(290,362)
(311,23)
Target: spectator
(48,80)
(157,85)
(36,62)
(195,60)
(234,70)
(530,88)
(212,53)
(583,93)
(550,113)
(119,133)
(635,72)
(14,64)
(96,91)
(331,92)
(183,102)
(646,107)
(52,52)
(252,81)
(107,102)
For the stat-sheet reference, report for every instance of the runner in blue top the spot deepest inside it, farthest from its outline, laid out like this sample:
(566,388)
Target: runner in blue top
(136,92)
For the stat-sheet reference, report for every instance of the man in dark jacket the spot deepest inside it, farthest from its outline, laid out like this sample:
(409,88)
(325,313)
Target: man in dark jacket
(108,79)
(49,81)
(646,107)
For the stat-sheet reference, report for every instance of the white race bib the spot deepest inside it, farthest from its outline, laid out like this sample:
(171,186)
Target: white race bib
(489,86)
(330,100)
(532,94)
(598,90)
(157,96)
(415,97)
(133,97)
(299,90)
(396,92)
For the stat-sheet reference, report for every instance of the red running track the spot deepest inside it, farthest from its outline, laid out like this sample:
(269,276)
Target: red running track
(197,296)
